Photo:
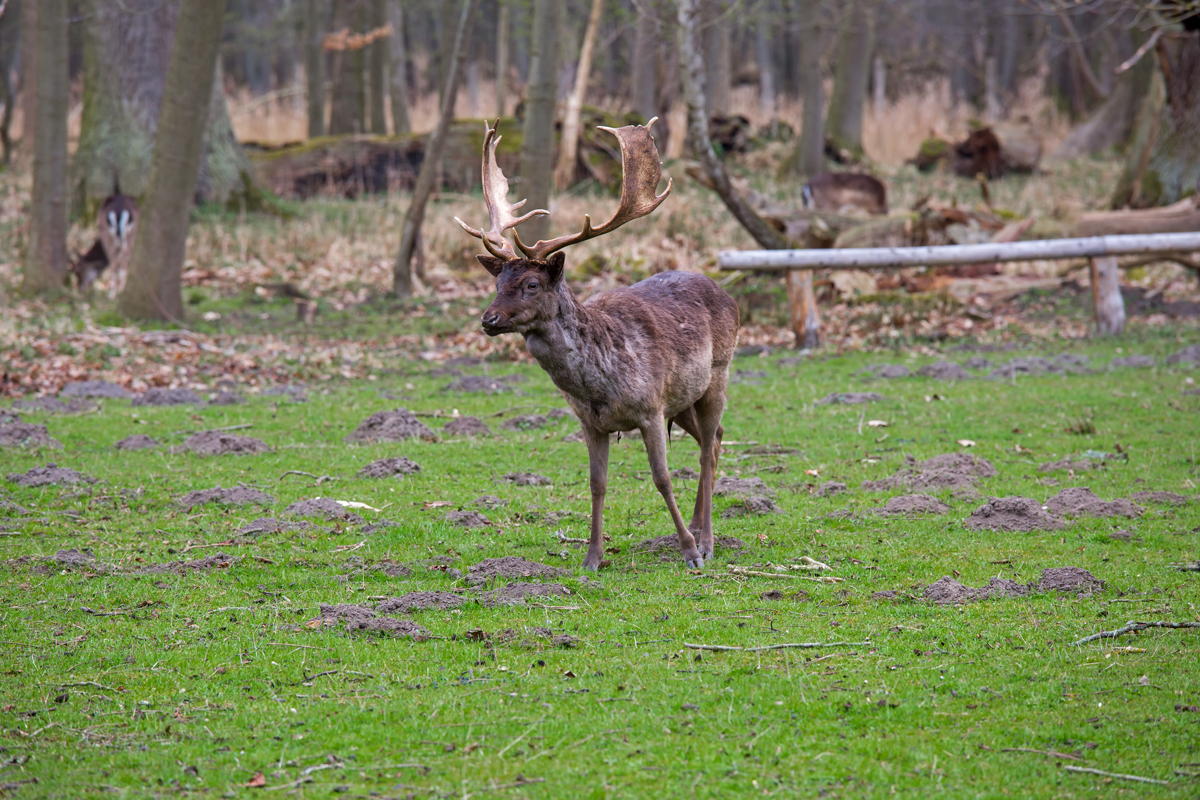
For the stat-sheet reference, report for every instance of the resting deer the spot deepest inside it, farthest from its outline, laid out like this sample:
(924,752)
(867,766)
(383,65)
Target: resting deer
(639,357)
(845,192)
(116,226)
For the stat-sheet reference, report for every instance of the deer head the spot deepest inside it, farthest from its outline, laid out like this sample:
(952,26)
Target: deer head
(527,287)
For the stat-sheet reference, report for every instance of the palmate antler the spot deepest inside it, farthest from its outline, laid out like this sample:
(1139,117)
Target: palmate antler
(641,173)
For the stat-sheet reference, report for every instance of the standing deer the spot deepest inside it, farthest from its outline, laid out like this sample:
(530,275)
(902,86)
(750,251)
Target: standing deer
(644,356)
(116,226)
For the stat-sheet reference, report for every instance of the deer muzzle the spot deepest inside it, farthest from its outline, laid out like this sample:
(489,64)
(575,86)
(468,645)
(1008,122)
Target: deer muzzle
(495,322)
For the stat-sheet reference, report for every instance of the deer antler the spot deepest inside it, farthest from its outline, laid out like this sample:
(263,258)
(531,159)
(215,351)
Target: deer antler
(641,174)
(495,196)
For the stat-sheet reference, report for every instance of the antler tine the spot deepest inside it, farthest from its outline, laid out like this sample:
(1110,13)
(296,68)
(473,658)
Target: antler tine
(495,195)
(641,173)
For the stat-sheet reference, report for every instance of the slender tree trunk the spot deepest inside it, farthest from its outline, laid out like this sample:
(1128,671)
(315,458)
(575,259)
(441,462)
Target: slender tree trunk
(314,65)
(538,142)
(46,259)
(378,65)
(347,114)
(766,72)
(502,35)
(10,37)
(1010,50)
(850,80)
(720,59)
(643,91)
(402,285)
(154,287)
(564,172)
(29,15)
(809,156)
(879,85)
(398,85)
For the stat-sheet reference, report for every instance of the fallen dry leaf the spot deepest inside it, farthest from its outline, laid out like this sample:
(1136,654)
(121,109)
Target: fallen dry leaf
(257,782)
(966,442)
(876,423)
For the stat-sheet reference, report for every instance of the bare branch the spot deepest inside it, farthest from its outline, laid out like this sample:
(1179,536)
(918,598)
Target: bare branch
(1132,626)
(1085,66)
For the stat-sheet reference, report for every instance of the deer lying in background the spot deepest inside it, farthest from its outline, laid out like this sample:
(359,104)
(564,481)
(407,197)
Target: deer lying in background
(116,226)
(644,356)
(844,192)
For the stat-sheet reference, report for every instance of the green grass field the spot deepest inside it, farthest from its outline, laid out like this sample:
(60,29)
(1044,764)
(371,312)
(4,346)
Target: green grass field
(218,682)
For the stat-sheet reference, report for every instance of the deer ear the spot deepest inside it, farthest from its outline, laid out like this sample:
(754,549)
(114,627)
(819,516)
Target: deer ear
(492,264)
(554,266)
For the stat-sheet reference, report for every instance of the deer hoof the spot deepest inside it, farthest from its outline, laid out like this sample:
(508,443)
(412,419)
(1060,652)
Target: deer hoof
(693,559)
(592,563)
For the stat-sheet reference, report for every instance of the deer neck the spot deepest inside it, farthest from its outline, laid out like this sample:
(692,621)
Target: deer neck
(558,343)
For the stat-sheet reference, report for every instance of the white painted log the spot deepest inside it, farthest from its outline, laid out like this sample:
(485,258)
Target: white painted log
(1106,295)
(948,255)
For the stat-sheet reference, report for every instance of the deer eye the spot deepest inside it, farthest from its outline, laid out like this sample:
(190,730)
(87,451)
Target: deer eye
(533,284)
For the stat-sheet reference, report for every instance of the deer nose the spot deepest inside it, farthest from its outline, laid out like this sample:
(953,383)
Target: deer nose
(491,319)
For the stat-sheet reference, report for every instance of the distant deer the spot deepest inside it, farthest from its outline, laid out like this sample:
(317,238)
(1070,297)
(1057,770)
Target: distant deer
(116,227)
(845,191)
(639,357)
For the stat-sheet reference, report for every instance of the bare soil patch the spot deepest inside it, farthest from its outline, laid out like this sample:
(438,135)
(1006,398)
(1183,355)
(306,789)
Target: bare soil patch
(949,591)
(466,426)
(524,422)
(469,384)
(525,479)
(390,467)
(960,462)
(742,488)
(52,405)
(977,362)
(830,488)
(95,389)
(685,474)
(489,501)
(236,496)
(271,525)
(948,471)
(324,508)
(215,561)
(1068,465)
(138,441)
(909,504)
(419,601)
(77,559)
(752,507)
(1139,362)
(561,413)
(667,547)
(361,618)
(1081,501)
(8,415)
(510,567)
(49,475)
(889,371)
(1188,355)
(849,398)
(1162,498)
(390,426)
(1015,514)
(517,593)
(227,398)
(1062,364)
(23,434)
(168,397)
(297,394)
(466,519)
(944,371)
(220,443)
(1067,579)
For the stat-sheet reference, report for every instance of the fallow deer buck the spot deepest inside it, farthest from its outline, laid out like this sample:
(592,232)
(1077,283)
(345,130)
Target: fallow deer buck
(637,357)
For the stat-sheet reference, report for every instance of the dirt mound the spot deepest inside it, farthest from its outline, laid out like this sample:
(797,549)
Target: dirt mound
(510,567)
(1063,364)
(297,394)
(947,591)
(227,398)
(1067,465)
(466,426)
(524,422)
(948,471)
(1133,361)
(574,436)
(215,561)
(525,479)
(1012,514)
(516,593)
(389,467)
(1067,579)
(378,525)
(237,496)
(849,398)
(959,462)
(219,443)
(324,508)
(22,434)
(907,504)
(830,488)
(419,601)
(138,441)
(977,362)
(168,397)
(76,405)
(888,371)
(668,546)
(1163,498)
(752,507)
(685,474)
(271,525)
(1188,355)
(95,389)
(477,383)
(76,559)
(390,426)
(1079,501)
(742,488)
(489,501)
(466,519)
(361,618)
(7,416)
(944,371)
(49,475)
(886,594)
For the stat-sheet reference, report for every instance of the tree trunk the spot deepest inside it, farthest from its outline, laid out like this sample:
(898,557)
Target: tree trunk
(10,37)
(349,106)
(537,146)
(850,80)
(1112,124)
(28,77)
(502,35)
(154,287)
(564,173)
(1010,49)
(644,78)
(398,85)
(809,157)
(127,57)
(378,65)
(314,65)
(719,59)
(402,285)
(46,259)
(766,72)
(1166,167)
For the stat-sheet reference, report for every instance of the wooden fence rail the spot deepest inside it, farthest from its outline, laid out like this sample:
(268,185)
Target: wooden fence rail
(1102,252)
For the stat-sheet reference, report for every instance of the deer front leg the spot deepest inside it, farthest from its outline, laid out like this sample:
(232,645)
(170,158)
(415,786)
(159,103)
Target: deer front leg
(653,434)
(597,444)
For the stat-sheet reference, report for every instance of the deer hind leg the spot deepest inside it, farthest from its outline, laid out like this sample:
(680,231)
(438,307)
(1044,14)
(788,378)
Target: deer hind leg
(597,444)
(654,434)
(708,414)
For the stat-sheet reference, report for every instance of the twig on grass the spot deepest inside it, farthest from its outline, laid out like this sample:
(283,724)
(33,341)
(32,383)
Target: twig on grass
(227,428)
(742,571)
(346,548)
(90,683)
(528,731)
(307,678)
(1132,626)
(290,784)
(802,645)
(230,543)
(95,613)
(318,478)
(1120,775)
(1051,753)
